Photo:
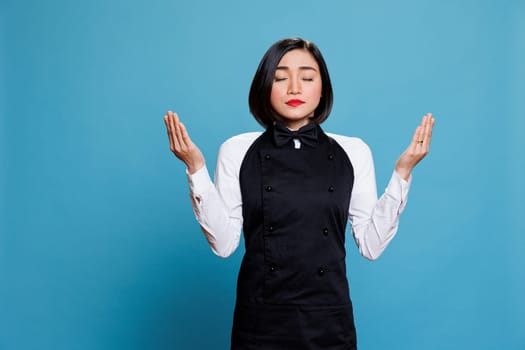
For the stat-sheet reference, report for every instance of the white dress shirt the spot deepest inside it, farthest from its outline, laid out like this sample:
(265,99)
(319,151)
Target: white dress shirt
(218,207)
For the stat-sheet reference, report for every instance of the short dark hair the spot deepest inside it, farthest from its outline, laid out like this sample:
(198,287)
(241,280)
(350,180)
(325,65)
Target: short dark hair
(261,88)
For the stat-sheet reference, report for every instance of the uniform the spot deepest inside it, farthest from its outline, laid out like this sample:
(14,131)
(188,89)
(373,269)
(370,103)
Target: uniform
(295,193)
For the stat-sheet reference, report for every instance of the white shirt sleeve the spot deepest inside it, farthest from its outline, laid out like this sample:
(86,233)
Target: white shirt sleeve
(374,221)
(218,206)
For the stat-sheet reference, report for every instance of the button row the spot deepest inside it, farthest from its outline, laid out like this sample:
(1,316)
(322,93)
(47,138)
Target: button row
(275,268)
(269,188)
(325,230)
(268,156)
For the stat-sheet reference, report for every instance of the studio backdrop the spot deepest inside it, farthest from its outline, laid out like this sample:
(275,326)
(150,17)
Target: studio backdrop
(99,247)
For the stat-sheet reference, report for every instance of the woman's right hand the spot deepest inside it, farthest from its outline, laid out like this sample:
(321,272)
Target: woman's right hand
(181,144)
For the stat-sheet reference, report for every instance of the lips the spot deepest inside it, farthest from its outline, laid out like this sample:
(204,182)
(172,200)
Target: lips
(294,103)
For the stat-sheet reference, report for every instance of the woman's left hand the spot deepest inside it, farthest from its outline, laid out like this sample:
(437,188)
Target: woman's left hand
(418,148)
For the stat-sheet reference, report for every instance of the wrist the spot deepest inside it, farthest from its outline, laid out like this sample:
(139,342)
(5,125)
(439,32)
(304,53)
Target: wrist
(403,172)
(194,167)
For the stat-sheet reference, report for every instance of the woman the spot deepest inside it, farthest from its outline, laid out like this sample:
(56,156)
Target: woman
(292,189)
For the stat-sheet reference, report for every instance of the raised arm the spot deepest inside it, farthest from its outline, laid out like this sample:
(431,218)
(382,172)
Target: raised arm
(217,207)
(375,221)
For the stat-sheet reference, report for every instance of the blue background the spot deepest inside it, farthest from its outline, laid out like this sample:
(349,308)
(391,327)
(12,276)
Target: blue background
(99,248)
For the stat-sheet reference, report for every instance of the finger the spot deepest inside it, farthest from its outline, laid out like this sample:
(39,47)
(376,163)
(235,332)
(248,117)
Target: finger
(185,136)
(416,141)
(167,122)
(428,132)
(168,129)
(421,141)
(173,124)
(431,123)
(178,133)
(423,134)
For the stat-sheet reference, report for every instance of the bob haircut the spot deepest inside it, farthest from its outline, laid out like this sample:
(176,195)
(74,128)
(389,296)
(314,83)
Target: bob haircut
(261,88)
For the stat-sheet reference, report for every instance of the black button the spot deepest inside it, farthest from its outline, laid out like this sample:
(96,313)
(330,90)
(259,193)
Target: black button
(331,188)
(321,271)
(325,231)
(273,268)
(330,156)
(267,157)
(268,188)
(270,228)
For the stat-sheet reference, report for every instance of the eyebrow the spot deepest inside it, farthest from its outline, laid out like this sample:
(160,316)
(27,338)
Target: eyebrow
(301,68)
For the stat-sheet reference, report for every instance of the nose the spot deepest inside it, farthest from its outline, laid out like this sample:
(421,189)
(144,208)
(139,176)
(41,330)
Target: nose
(294,87)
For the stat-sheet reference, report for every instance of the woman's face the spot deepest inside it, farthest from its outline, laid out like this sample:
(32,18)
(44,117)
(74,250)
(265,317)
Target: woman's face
(297,88)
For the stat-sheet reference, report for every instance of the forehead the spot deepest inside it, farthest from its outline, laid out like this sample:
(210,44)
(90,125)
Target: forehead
(298,58)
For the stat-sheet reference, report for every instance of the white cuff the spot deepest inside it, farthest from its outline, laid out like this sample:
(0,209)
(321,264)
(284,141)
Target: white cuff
(200,181)
(398,189)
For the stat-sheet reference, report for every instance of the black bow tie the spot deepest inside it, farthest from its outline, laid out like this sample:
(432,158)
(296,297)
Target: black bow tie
(307,135)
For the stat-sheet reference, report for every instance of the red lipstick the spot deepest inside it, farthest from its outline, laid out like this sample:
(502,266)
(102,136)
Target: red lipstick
(294,103)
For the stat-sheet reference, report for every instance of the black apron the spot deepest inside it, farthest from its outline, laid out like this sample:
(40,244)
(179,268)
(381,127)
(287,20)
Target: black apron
(292,291)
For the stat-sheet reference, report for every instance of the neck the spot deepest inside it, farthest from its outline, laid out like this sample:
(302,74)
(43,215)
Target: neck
(294,126)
